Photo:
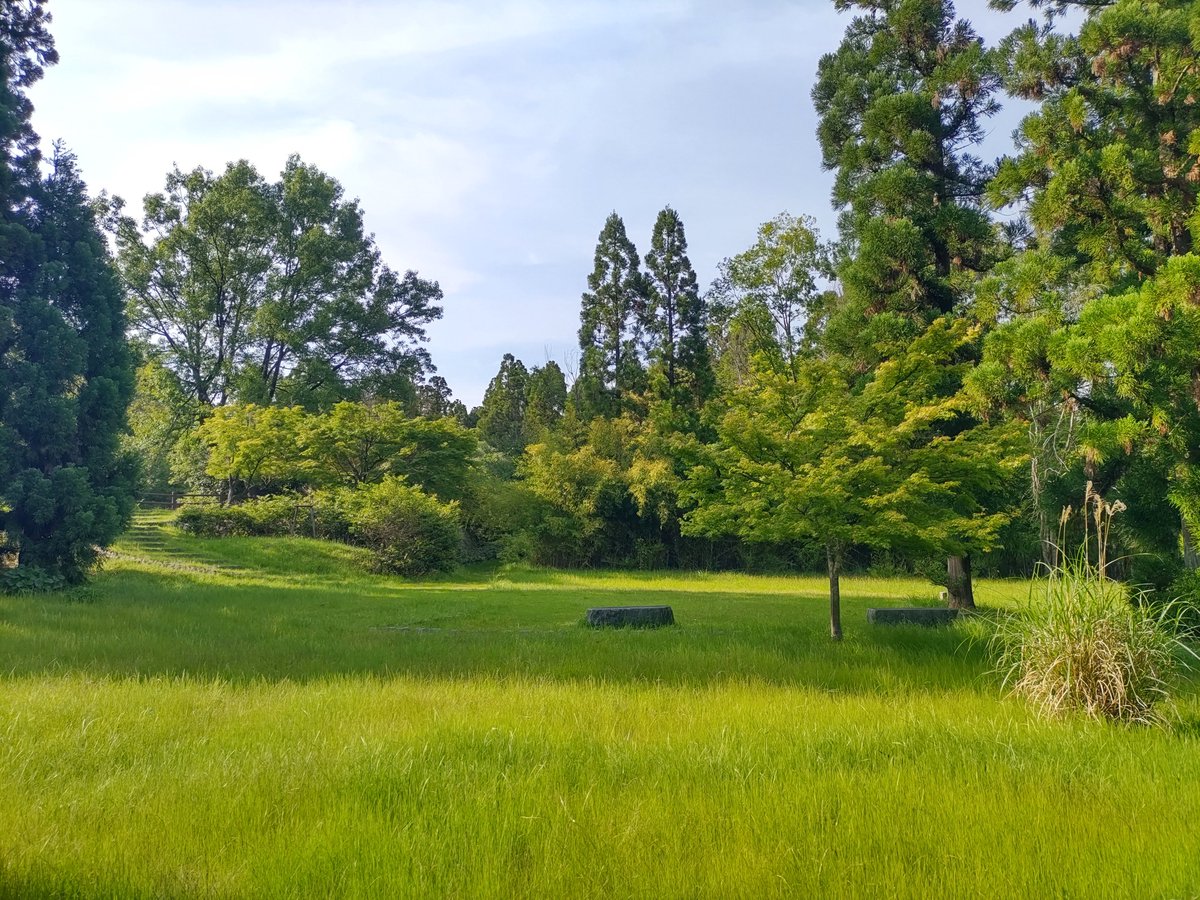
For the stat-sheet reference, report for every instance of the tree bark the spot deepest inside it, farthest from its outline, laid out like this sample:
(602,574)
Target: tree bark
(1191,554)
(959,590)
(834,557)
(1048,540)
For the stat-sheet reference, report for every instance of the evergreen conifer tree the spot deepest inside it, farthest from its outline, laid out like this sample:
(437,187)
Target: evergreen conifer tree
(65,371)
(902,102)
(545,398)
(676,321)
(610,319)
(1099,352)
(502,416)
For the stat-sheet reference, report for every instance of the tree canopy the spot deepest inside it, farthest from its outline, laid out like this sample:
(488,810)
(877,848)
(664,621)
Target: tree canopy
(248,288)
(66,373)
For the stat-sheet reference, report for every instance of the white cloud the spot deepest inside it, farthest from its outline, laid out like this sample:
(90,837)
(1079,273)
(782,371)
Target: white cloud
(486,139)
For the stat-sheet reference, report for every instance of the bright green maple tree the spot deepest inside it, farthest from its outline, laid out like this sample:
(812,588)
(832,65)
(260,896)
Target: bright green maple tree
(904,102)
(810,456)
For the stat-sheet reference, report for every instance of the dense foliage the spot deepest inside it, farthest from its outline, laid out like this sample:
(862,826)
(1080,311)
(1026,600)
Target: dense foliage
(408,531)
(66,374)
(923,393)
(263,291)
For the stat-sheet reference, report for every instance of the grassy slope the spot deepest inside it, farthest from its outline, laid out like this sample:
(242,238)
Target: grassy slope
(256,718)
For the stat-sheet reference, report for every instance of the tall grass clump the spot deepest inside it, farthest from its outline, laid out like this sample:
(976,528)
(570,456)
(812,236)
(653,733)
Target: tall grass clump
(1083,642)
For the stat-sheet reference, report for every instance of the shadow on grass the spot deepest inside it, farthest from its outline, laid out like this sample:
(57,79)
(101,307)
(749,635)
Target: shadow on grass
(148,623)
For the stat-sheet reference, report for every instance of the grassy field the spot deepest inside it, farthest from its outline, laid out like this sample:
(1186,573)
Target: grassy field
(260,718)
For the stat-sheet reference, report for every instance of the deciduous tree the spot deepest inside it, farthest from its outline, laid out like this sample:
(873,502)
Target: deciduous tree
(807,455)
(243,285)
(903,102)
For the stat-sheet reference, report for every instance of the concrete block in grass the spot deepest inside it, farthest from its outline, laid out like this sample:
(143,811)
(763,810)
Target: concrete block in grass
(630,616)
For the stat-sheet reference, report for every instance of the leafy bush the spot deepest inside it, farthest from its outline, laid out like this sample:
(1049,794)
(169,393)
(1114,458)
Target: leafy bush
(262,516)
(1081,644)
(410,532)
(495,513)
(318,515)
(30,580)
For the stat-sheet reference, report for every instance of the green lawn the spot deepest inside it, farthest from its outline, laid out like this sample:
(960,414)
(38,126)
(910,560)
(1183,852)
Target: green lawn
(259,718)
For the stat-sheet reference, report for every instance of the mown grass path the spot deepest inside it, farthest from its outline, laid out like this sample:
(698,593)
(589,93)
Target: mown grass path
(242,718)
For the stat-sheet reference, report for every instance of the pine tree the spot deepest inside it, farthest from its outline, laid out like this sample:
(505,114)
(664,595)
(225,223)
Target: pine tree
(1101,304)
(676,321)
(65,370)
(902,102)
(610,315)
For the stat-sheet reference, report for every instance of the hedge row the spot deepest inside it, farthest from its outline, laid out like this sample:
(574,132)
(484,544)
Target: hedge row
(409,532)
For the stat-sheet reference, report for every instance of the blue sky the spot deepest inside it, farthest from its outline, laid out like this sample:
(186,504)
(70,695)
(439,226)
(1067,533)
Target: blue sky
(487,141)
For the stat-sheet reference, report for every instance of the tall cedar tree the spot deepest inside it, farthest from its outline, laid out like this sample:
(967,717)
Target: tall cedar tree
(65,371)
(250,289)
(435,400)
(545,399)
(502,415)
(611,313)
(1108,167)
(902,101)
(676,321)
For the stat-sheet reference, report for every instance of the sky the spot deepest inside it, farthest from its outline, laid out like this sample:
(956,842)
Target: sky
(487,140)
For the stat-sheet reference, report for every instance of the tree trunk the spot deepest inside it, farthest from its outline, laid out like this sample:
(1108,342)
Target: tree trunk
(959,591)
(1048,540)
(834,558)
(1191,555)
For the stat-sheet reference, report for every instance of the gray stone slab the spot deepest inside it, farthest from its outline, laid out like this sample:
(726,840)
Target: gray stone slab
(911,615)
(630,616)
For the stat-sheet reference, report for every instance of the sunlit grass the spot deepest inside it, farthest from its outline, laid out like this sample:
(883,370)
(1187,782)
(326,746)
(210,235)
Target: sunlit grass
(263,718)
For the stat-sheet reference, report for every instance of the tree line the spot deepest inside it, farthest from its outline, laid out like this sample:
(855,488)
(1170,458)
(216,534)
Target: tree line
(925,392)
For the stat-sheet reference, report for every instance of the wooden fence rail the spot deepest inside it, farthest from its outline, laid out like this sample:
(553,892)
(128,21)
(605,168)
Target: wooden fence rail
(173,499)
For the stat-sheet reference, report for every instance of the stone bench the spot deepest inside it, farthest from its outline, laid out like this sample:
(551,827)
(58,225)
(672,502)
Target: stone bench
(630,616)
(911,615)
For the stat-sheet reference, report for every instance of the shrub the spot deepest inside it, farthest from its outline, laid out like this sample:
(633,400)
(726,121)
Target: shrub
(410,532)
(494,514)
(317,515)
(213,521)
(1184,592)
(1081,644)
(30,580)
